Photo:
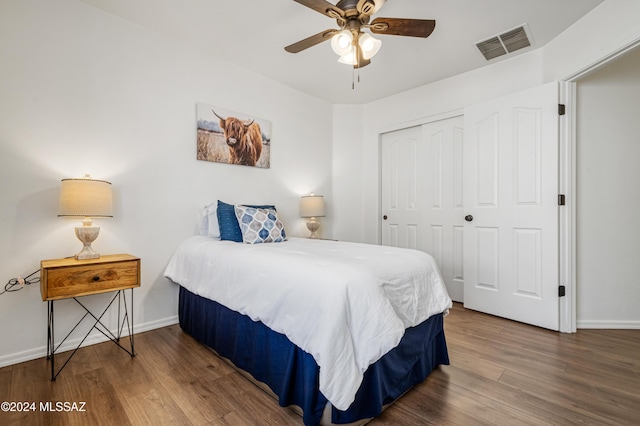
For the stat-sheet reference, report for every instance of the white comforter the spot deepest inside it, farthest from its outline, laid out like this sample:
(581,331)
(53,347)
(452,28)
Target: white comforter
(346,304)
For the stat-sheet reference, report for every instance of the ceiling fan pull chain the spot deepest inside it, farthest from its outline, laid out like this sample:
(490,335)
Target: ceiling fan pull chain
(353,70)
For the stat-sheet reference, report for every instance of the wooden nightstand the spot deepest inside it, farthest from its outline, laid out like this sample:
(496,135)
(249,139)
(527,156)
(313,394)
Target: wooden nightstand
(70,278)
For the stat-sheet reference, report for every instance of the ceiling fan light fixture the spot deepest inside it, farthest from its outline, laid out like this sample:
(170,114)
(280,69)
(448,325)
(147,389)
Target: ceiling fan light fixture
(341,42)
(348,59)
(369,45)
(353,46)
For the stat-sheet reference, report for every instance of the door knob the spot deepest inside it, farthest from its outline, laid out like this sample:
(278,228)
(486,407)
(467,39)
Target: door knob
(468,218)
(384,217)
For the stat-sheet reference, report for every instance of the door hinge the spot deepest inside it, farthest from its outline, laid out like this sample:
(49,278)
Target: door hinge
(561,109)
(562,291)
(561,201)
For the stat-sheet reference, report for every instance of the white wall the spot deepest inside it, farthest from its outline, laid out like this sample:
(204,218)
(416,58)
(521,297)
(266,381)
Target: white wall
(608,196)
(84,92)
(347,169)
(609,27)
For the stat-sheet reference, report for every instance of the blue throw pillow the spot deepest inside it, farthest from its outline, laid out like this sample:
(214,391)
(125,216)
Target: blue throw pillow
(229,227)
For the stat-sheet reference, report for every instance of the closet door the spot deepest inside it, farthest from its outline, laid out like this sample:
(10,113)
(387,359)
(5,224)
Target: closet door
(402,174)
(422,195)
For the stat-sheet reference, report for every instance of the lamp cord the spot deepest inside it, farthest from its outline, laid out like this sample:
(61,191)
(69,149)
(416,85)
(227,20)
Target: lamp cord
(17,284)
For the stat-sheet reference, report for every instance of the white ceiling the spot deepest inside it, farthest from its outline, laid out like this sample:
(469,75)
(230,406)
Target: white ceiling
(253,34)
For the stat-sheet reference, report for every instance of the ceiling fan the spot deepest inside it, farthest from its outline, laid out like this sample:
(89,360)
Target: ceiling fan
(354,46)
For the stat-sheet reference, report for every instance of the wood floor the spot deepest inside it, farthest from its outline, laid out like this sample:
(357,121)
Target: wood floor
(501,373)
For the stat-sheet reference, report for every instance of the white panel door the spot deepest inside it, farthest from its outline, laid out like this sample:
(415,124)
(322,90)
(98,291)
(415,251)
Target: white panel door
(510,197)
(421,198)
(401,175)
(443,212)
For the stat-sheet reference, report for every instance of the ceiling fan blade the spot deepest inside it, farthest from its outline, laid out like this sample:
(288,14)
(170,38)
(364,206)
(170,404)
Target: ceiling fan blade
(403,27)
(310,41)
(323,7)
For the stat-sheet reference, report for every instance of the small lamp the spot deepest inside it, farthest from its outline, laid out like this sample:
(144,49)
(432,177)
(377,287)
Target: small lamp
(88,198)
(312,206)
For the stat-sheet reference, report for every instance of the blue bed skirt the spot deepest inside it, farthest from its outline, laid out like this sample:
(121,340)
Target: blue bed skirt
(292,374)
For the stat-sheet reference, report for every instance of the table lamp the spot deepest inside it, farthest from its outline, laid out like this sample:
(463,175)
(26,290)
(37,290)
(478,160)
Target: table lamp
(312,206)
(88,198)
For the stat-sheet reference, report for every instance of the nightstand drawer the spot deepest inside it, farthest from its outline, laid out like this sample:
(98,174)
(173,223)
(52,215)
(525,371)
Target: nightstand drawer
(65,278)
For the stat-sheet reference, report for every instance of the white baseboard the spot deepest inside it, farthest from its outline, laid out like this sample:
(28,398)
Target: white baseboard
(95,337)
(605,324)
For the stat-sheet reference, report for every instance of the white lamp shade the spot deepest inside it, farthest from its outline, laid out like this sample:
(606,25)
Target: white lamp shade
(85,197)
(349,59)
(341,42)
(369,45)
(312,206)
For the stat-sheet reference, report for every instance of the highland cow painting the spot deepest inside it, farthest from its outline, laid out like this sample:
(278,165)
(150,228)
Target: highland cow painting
(231,137)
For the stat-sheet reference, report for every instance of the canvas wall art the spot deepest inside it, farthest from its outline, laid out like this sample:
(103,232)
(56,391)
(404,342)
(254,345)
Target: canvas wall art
(231,137)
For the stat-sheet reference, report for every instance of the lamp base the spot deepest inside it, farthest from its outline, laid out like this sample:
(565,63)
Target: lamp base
(87,234)
(313,225)
(87,253)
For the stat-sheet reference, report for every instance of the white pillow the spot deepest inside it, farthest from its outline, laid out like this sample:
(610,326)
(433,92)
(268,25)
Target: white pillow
(204,223)
(209,225)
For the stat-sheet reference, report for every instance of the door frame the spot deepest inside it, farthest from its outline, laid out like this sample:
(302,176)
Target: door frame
(567,181)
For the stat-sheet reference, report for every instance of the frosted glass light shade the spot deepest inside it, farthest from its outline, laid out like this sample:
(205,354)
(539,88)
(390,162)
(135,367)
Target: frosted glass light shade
(341,42)
(369,45)
(349,59)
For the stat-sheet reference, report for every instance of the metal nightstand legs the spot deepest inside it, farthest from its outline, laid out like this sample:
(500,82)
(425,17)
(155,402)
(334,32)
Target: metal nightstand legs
(123,319)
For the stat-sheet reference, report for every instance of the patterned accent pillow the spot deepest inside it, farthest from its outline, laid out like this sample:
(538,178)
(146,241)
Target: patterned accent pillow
(228,223)
(259,225)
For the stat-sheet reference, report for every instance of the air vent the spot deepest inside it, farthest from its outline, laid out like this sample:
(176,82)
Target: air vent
(491,48)
(502,44)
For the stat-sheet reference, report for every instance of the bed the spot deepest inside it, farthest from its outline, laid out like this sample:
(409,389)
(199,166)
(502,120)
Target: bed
(338,329)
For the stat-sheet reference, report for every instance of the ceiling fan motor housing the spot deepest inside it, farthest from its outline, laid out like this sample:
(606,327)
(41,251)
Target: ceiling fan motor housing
(357,7)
